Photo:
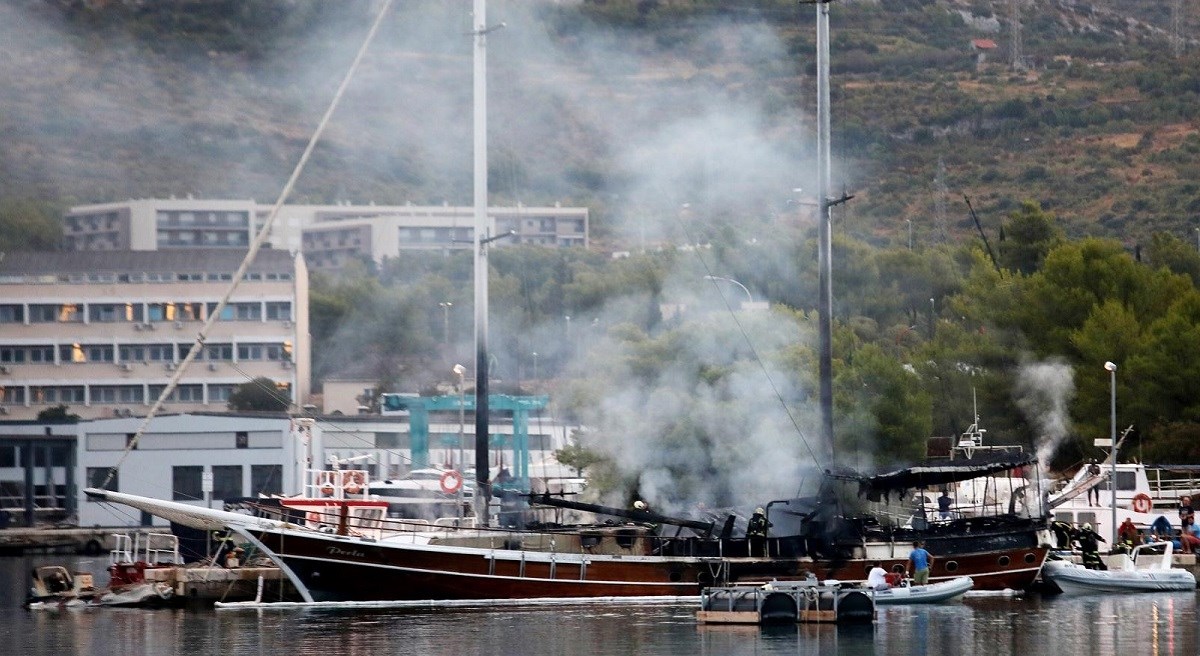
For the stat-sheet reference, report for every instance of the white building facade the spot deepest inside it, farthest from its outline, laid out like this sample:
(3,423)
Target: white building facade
(102,332)
(328,235)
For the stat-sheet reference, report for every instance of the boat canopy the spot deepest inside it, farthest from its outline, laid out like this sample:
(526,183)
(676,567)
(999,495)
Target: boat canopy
(935,473)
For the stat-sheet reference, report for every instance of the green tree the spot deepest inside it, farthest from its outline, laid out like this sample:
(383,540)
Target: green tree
(57,413)
(1167,250)
(887,413)
(29,225)
(1028,235)
(259,394)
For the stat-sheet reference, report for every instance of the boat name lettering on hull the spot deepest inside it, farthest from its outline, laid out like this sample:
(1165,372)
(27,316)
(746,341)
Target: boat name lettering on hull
(338,551)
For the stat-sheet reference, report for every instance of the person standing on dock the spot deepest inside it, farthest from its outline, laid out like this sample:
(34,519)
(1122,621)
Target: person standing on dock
(920,561)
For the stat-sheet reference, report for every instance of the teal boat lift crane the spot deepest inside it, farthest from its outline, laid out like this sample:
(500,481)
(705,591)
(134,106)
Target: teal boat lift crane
(419,408)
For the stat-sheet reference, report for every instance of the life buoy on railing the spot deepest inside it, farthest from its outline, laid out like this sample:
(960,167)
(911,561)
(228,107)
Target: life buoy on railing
(313,517)
(325,483)
(352,482)
(1142,503)
(451,482)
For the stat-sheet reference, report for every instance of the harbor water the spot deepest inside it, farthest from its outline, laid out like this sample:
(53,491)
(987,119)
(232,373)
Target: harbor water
(1145,624)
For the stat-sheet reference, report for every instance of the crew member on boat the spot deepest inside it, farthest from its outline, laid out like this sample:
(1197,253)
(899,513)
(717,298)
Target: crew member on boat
(877,577)
(1088,544)
(756,532)
(921,562)
(1064,534)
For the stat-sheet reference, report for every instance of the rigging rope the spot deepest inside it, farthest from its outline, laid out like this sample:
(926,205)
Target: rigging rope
(198,345)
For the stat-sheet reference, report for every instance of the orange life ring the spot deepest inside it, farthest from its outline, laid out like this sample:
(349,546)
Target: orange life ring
(1142,503)
(313,517)
(352,482)
(451,482)
(325,481)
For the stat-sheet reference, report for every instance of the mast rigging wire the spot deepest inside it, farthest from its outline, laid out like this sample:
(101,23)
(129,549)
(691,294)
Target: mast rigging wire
(202,335)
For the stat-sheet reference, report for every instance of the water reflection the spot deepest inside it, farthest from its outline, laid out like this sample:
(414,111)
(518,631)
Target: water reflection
(1158,625)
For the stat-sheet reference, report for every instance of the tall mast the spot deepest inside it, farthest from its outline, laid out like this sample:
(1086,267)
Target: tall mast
(482,489)
(824,239)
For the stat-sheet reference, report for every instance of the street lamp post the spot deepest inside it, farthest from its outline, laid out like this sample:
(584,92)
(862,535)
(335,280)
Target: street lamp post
(459,370)
(749,296)
(1112,454)
(535,377)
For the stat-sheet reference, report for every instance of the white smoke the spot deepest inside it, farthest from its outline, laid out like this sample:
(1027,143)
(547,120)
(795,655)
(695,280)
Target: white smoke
(1044,391)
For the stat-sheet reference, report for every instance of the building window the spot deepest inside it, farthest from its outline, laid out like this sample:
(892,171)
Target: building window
(186,482)
(279,311)
(160,352)
(12,395)
(56,395)
(219,393)
(387,440)
(106,312)
(248,311)
(12,314)
(189,394)
(116,394)
(217,352)
(41,354)
(131,352)
(12,354)
(250,352)
(97,477)
(42,313)
(98,353)
(241,440)
(266,479)
(227,481)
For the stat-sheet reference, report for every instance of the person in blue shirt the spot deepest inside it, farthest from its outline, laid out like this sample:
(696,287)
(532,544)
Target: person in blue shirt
(920,561)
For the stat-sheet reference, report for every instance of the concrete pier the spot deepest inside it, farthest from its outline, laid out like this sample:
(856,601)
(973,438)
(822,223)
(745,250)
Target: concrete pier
(68,540)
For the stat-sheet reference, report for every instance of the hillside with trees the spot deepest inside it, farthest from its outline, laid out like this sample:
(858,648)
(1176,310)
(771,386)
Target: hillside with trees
(687,128)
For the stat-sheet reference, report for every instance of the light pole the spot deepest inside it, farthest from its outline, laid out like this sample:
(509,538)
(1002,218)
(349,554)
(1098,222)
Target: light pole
(731,280)
(1112,454)
(535,367)
(459,370)
(445,305)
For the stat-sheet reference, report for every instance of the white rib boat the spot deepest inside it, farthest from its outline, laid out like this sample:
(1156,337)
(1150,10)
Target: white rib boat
(1137,572)
(934,593)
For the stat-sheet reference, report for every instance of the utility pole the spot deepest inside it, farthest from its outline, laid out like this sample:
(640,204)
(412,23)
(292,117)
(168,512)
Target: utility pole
(1177,28)
(1016,46)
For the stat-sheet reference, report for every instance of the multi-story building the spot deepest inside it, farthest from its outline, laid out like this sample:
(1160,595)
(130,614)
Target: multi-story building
(329,235)
(103,332)
(161,224)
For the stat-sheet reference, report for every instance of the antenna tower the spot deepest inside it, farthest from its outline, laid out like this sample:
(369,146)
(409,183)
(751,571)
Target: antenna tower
(941,228)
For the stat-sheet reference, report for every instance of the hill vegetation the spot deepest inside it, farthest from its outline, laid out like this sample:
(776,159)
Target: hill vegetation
(685,125)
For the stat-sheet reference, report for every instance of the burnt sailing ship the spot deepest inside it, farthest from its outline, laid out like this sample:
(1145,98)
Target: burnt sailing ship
(352,552)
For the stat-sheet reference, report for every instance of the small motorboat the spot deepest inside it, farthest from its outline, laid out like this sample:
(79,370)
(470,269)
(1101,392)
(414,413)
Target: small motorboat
(934,593)
(1144,570)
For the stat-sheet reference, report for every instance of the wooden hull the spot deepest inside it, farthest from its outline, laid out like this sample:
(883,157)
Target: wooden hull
(339,568)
